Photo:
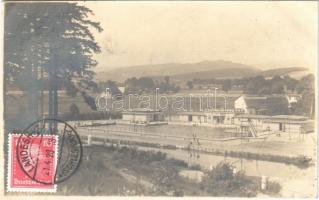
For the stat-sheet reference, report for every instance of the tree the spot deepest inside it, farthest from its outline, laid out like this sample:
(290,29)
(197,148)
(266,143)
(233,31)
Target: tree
(111,85)
(190,85)
(164,180)
(51,42)
(163,87)
(226,85)
(277,85)
(254,84)
(146,83)
(221,181)
(291,83)
(306,87)
(74,110)
(131,86)
(143,84)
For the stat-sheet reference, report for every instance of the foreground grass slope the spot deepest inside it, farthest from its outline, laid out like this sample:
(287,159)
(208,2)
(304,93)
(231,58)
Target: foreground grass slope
(128,171)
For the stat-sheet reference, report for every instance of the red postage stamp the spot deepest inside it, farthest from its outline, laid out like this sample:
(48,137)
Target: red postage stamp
(32,161)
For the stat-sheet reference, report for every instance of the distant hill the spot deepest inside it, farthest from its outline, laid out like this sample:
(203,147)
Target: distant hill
(218,73)
(283,71)
(181,72)
(237,73)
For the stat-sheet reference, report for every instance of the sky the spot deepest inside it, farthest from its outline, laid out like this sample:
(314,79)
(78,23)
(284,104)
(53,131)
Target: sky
(261,34)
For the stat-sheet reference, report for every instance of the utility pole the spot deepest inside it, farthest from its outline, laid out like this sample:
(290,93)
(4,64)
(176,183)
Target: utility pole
(215,96)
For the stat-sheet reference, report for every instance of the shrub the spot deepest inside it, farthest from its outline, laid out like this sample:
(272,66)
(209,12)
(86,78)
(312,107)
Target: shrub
(195,167)
(164,180)
(221,181)
(273,187)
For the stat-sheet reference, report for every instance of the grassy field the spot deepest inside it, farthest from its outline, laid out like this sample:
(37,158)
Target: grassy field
(111,171)
(17,103)
(128,171)
(19,112)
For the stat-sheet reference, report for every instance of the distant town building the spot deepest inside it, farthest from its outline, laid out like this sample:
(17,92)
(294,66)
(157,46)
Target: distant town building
(293,98)
(289,123)
(188,117)
(263,105)
(213,117)
(142,116)
(121,87)
(225,117)
(206,86)
(259,124)
(249,123)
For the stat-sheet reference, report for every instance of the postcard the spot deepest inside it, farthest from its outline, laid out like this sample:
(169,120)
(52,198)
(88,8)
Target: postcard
(159,99)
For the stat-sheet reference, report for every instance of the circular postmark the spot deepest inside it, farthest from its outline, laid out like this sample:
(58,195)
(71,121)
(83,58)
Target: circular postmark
(49,151)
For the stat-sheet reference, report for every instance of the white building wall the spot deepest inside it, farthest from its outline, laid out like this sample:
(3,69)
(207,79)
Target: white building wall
(183,118)
(128,117)
(142,118)
(240,103)
(137,117)
(288,127)
(198,118)
(263,125)
(294,128)
(271,126)
(178,118)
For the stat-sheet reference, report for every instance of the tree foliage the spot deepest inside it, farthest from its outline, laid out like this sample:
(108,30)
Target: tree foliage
(221,181)
(306,106)
(148,85)
(190,85)
(111,85)
(55,38)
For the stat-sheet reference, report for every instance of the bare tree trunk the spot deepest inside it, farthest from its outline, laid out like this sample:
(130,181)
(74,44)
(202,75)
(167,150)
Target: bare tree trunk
(35,96)
(312,109)
(41,94)
(50,114)
(32,96)
(55,100)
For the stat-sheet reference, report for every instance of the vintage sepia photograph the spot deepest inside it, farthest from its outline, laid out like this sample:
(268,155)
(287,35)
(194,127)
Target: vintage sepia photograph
(160,98)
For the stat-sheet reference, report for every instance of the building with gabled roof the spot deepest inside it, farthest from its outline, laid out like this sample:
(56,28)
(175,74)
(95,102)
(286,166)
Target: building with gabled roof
(263,105)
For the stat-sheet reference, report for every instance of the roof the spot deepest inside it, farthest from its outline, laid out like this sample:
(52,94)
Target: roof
(287,121)
(140,111)
(191,113)
(290,117)
(293,119)
(232,111)
(271,105)
(250,116)
(293,95)
(256,102)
